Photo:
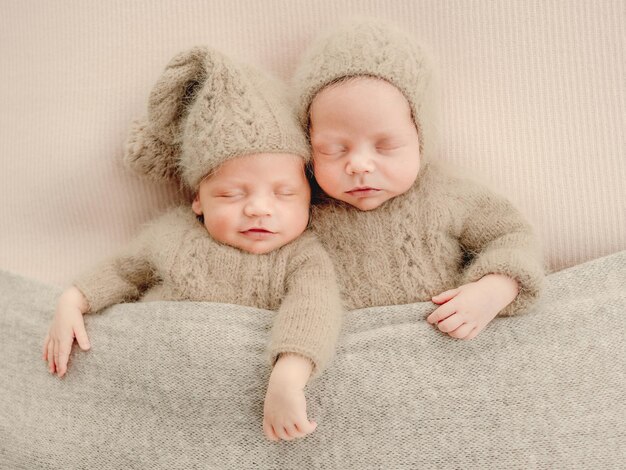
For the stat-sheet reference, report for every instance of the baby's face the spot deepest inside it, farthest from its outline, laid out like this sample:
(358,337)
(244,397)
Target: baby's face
(365,144)
(256,203)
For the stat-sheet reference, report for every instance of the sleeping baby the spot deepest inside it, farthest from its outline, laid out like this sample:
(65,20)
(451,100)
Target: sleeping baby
(400,225)
(228,134)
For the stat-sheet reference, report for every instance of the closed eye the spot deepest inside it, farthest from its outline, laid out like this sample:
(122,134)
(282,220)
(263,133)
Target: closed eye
(388,146)
(388,151)
(333,150)
(285,192)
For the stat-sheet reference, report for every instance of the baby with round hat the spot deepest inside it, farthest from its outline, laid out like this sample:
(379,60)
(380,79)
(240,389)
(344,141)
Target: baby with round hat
(226,132)
(401,226)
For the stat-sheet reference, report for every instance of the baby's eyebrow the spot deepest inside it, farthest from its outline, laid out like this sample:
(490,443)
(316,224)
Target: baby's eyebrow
(391,134)
(229,184)
(229,189)
(325,136)
(389,139)
(285,182)
(238,184)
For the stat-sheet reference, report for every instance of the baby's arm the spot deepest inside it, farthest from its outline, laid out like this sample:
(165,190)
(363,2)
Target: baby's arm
(121,278)
(505,274)
(67,324)
(284,412)
(468,309)
(304,334)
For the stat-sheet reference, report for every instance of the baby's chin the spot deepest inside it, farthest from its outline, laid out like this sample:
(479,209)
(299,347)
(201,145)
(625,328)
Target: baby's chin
(262,247)
(367,204)
(258,249)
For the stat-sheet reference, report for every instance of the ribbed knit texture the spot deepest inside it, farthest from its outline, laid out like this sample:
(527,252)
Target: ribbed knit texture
(206,109)
(174,258)
(532,93)
(180,385)
(417,245)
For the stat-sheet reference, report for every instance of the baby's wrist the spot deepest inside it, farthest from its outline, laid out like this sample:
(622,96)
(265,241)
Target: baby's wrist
(292,369)
(74,297)
(506,285)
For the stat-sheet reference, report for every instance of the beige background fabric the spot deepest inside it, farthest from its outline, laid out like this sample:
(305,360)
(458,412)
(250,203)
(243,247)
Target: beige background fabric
(532,98)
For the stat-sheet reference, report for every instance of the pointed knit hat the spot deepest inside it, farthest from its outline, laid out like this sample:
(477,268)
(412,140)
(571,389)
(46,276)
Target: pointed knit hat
(206,109)
(376,49)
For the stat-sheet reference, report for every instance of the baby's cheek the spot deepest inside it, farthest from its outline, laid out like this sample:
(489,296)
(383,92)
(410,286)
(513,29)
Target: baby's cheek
(299,217)
(221,222)
(327,175)
(405,172)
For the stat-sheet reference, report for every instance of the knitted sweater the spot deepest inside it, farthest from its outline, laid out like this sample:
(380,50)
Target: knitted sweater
(443,232)
(177,258)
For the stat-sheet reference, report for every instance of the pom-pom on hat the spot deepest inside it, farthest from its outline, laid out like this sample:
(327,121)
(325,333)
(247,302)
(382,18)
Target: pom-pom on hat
(206,109)
(376,49)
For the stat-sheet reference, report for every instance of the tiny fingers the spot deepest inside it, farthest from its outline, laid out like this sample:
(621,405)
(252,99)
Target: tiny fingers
(307,426)
(64,356)
(462,331)
(441,313)
(81,337)
(288,432)
(293,431)
(44,355)
(269,432)
(51,356)
(452,323)
(275,431)
(56,354)
(445,296)
(473,333)
(282,432)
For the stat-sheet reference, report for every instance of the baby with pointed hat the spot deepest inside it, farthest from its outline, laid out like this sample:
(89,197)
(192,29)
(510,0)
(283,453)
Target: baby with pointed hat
(228,134)
(400,225)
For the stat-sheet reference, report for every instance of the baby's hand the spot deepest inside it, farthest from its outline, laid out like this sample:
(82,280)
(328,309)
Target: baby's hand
(67,324)
(467,310)
(284,412)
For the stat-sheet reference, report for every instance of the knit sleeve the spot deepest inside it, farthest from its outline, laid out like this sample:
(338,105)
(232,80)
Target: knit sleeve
(121,278)
(498,240)
(309,319)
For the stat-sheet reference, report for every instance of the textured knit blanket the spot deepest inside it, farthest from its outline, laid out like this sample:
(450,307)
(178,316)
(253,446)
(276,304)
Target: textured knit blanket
(171,385)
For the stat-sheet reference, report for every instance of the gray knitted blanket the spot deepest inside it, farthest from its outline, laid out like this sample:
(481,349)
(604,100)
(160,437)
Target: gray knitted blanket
(171,385)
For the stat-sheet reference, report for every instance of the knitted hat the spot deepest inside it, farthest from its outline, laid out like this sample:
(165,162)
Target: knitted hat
(376,49)
(206,109)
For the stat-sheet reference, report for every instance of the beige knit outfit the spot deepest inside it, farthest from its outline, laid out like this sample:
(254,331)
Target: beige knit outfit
(176,255)
(376,49)
(204,110)
(414,246)
(443,232)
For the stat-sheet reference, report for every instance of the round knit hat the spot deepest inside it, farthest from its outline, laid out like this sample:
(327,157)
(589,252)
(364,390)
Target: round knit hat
(206,109)
(376,49)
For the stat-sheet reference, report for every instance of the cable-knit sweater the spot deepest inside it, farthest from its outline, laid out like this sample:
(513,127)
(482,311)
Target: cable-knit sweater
(443,232)
(177,259)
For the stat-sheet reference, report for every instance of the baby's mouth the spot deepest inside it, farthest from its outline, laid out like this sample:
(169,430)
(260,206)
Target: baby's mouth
(257,233)
(363,191)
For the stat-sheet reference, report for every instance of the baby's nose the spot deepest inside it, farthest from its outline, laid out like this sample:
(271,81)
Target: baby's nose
(359,162)
(258,206)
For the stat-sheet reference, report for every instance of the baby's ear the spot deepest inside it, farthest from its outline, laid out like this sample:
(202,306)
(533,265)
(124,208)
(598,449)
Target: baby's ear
(195,205)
